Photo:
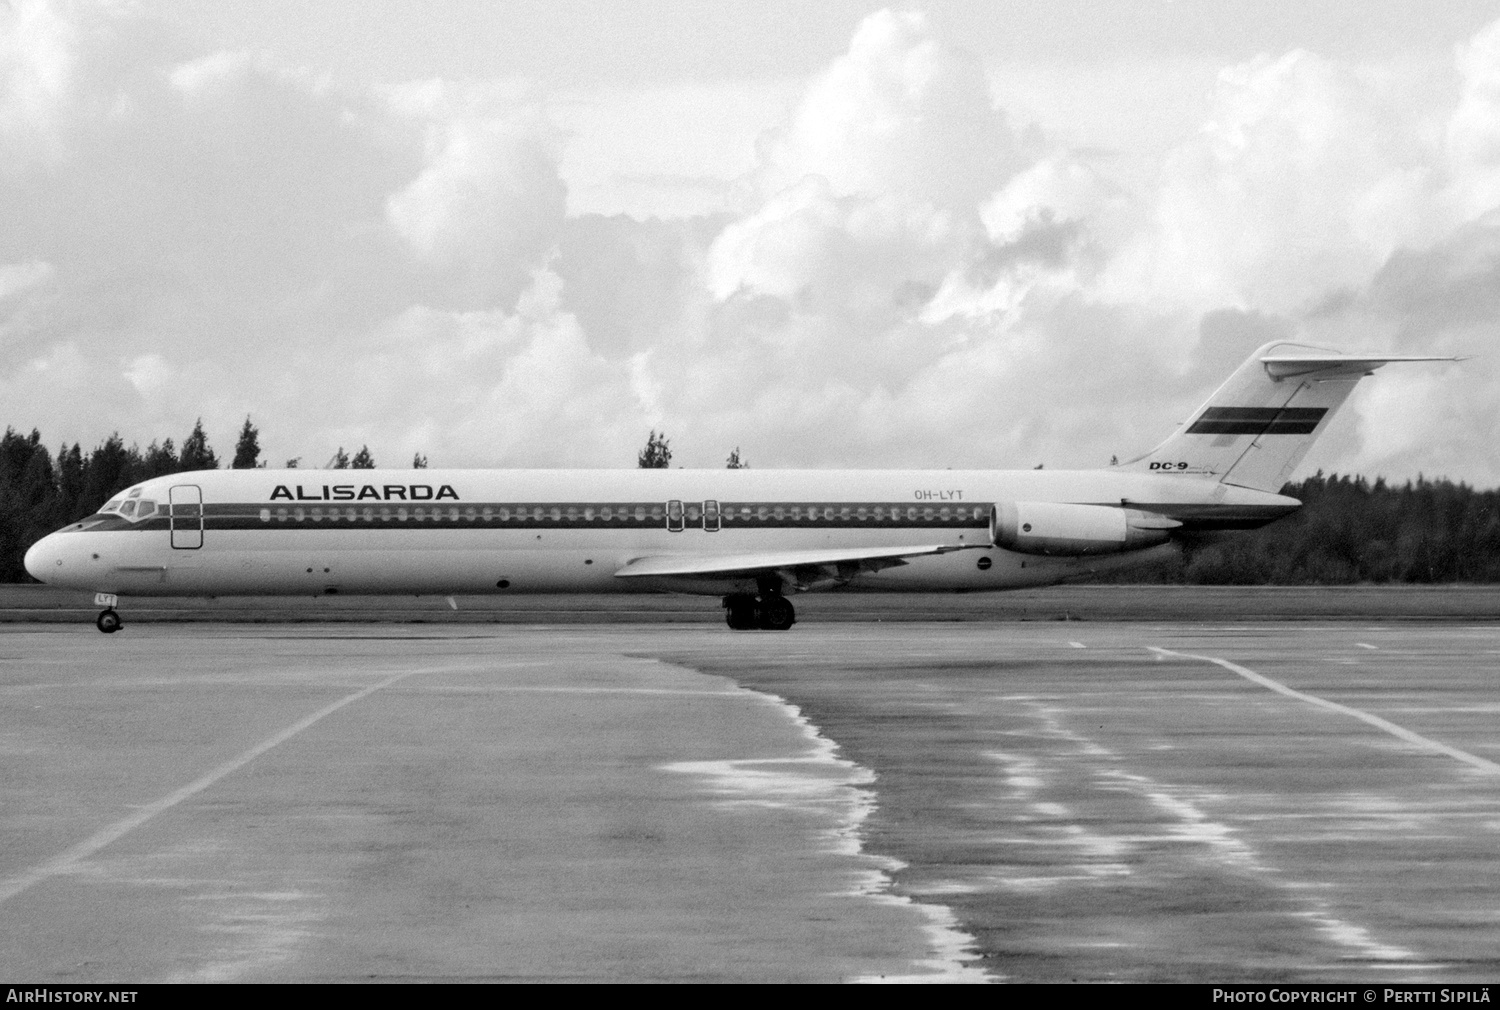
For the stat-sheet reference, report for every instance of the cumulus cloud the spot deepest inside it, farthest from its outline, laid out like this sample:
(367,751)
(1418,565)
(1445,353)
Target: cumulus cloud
(898,114)
(906,278)
(222,235)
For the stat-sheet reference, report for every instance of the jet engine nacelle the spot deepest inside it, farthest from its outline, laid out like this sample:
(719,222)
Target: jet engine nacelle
(1029,527)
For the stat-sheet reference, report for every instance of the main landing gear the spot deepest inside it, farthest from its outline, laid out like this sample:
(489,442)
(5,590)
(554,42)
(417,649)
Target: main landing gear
(768,612)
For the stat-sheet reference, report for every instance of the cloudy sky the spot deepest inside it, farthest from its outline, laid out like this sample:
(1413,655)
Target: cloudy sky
(988,234)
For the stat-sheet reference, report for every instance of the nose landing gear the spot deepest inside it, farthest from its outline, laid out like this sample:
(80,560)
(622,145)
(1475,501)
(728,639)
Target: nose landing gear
(109,622)
(768,612)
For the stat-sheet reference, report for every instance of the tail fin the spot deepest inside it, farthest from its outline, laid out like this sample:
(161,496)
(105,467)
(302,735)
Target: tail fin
(1256,427)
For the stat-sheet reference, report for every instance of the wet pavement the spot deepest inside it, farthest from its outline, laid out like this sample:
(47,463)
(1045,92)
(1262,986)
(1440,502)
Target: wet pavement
(1029,802)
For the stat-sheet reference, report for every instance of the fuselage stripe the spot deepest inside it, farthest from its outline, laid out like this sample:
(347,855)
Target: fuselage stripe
(673,515)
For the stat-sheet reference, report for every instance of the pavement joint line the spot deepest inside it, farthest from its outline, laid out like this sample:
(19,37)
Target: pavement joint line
(1400,732)
(68,859)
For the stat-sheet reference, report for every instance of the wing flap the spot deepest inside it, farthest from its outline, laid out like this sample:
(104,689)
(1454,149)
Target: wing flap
(722,565)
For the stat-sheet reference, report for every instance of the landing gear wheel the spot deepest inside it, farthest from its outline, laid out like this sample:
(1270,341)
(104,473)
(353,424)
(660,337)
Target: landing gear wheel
(777,613)
(109,622)
(739,612)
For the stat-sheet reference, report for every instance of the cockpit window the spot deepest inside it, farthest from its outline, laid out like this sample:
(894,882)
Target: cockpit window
(145,508)
(134,492)
(128,509)
(110,506)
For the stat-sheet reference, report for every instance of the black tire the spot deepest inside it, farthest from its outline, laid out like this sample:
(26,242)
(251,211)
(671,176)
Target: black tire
(777,613)
(739,612)
(109,622)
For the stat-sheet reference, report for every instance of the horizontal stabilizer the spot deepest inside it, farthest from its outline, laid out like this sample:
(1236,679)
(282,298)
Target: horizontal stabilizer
(1347,366)
(749,565)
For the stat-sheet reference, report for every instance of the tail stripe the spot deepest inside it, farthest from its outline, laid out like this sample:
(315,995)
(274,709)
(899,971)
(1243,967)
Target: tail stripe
(1257,421)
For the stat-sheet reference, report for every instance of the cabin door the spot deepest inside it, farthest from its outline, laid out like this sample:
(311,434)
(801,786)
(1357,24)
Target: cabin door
(185,505)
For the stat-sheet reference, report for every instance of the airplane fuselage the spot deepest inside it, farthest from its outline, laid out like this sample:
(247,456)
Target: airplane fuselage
(309,532)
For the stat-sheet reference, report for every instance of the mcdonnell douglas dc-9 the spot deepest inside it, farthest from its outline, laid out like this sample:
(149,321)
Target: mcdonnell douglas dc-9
(754,537)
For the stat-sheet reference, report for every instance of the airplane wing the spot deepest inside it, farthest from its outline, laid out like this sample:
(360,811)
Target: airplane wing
(829,563)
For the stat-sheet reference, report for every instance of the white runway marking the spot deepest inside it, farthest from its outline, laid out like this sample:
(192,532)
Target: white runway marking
(1366,645)
(66,861)
(1078,645)
(1400,732)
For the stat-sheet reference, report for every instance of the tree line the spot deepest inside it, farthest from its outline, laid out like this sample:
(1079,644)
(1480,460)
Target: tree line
(40,491)
(1349,530)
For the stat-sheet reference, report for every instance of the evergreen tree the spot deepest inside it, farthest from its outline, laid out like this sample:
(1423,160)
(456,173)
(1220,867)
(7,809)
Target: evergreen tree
(196,455)
(657,455)
(734,462)
(340,460)
(160,460)
(109,469)
(362,460)
(69,482)
(28,499)
(247,449)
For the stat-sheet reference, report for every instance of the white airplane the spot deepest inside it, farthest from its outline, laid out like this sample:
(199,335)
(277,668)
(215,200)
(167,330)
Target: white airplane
(753,537)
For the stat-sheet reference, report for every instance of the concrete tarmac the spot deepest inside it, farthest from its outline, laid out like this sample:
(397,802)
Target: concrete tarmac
(976,801)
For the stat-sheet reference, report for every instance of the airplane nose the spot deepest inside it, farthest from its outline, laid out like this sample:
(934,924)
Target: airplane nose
(42,558)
